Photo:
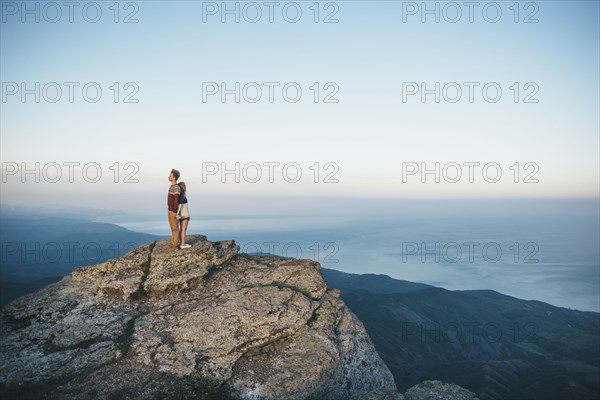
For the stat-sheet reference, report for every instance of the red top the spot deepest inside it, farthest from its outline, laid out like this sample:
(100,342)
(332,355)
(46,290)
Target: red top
(173,198)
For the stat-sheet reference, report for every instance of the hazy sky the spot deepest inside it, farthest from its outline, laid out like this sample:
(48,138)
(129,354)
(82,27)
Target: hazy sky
(371,61)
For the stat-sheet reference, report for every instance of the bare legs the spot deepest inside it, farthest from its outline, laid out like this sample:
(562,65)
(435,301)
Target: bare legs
(183,230)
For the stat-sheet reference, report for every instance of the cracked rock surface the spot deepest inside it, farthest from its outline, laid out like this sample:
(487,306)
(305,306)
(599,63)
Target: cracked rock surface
(268,327)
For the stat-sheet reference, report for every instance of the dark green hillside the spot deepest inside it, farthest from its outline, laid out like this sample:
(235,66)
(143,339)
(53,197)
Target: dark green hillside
(498,346)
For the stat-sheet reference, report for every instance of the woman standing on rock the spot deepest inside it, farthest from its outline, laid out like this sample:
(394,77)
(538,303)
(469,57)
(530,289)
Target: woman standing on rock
(183,215)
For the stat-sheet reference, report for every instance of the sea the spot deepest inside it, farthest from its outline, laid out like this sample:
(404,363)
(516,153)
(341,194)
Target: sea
(538,251)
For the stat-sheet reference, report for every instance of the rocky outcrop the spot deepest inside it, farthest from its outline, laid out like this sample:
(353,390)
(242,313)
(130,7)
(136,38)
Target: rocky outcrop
(260,327)
(435,390)
(427,390)
(383,394)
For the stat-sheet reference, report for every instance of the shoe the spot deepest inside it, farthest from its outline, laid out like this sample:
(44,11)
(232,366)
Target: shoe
(185,246)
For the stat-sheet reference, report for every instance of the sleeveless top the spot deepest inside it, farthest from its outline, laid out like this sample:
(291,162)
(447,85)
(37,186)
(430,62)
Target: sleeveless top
(182,198)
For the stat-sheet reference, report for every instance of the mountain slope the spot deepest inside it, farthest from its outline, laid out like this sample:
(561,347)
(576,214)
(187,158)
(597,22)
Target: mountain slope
(498,346)
(37,251)
(376,283)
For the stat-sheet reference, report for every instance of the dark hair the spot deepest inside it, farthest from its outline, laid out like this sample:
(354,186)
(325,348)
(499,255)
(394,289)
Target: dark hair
(182,186)
(175,173)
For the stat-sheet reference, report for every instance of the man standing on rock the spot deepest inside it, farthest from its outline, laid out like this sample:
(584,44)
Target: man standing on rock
(173,205)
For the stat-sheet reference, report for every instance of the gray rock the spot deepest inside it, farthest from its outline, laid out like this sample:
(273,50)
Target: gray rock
(382,394)
(268,327)
(436,390)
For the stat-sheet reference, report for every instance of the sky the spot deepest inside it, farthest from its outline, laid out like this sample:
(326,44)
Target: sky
(363,123)
(163,67)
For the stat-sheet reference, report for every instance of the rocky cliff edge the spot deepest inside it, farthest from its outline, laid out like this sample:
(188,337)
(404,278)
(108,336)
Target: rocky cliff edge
(160,323)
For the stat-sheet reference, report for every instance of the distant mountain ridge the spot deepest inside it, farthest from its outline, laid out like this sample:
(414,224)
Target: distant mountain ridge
(495,345)
(40,250)
(377,283)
